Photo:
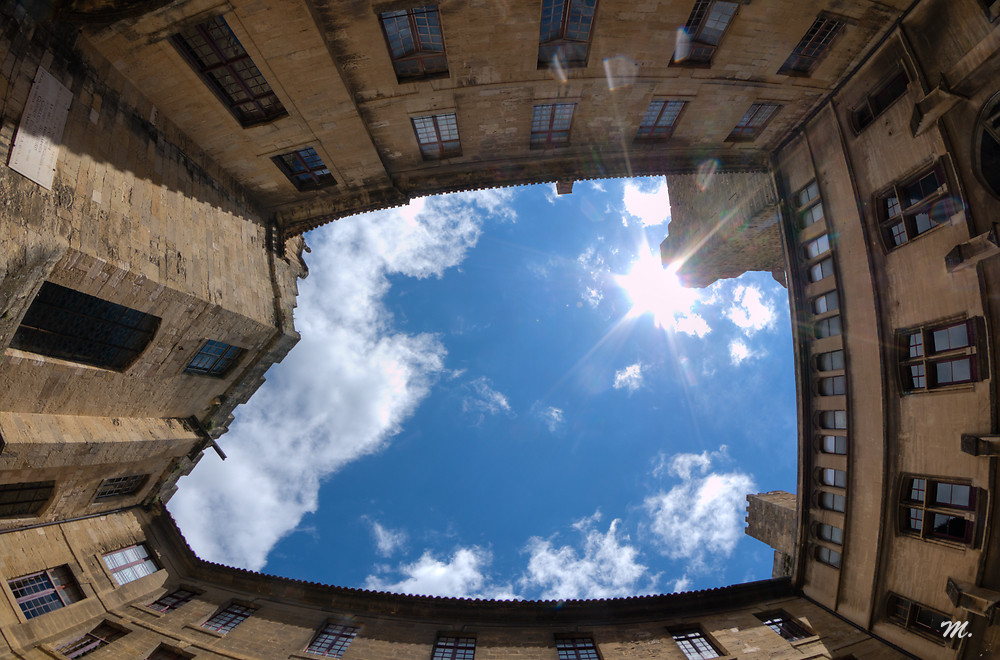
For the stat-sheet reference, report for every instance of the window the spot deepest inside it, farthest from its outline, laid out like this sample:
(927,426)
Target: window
(932,508)
(753,122)
(987,145)
(830,533)
(167,653)
(821,270)
(305,169)
(100,636)
(576,648)
(916,617)
(694,644)
(43,592)
(829,327)
(214,359)
(834,444)
(416,42)
(828,302)
(830,361)
(938,356)
(832,502)
(455,648)
(828,556)
(225,620)
(438,136)
(173,600)
(564,37)
(660,118)
(809,205)
(24,499)
(812,46)
(333,640)
(120,486)
(876,103)
(914,207)
(817,247)
(832,386)
(703,32)
(129,564)
(833,419)
(69,325)
(781,623)
(550,125)
(215,53)
(831,477)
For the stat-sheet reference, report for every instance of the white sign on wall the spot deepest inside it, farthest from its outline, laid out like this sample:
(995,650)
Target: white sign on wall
(36,143)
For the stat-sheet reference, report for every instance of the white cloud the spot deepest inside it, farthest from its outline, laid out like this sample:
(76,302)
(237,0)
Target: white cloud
(692,324)
(348,385)
(606,567)
(681,584)
(552,417)
(461,576)
(387,541)
(629,378)
(750,310)
(595,272)
(650,205)
(739,352)
(484,399)
(700,518)
(597,185)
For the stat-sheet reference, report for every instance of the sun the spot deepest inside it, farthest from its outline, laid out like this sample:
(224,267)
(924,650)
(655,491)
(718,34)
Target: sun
(656,290)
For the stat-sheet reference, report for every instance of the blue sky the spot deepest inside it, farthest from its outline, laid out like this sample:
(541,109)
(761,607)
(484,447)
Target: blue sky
(483,405)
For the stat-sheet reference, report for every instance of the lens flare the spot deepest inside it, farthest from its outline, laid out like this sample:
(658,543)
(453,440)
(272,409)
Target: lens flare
(658,291)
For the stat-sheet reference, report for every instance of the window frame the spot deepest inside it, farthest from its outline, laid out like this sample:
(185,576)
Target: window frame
(833,477)
(813,46)
(746,130)
(422,50)
(455,646)
(785,625)
(701,46)
(115,487)
(922,368)
(558,46)
(839,416)
(332,640)
(830,501)
(26,508)
(576,647)
(828,556)
(315,176)
(837,441)
(225,619)
(824,532)
(547,134)
(130,568)
(105,633)
(923,511)
(648,133)
(171,601)
(835,385)
(442,148)
(695,643)
(891,214)
(808,205)
(874,104)
(910,620)
(265,112)
(217,365)
(62,584)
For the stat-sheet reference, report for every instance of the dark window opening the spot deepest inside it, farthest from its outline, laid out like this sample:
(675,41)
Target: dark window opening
(878,101)
(914,207)
(916,617)
(226,619)
(416,42)
(24,499)
(703,31)
(305,169)
(811,47)
(214,359)
(781,623)
(171,601)
(99,637)
(576,648)
(120,486)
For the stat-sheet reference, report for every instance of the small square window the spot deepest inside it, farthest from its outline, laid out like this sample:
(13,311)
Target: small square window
(214,359)
(333,640)
(437,136)
(550,125)
(834,444)
(120,486)
(305,169)
(812,46)
(130,564)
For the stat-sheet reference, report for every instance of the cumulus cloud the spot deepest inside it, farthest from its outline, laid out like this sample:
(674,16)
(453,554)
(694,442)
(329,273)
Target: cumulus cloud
(607,566)
(700,518)
(461,576)
(750,311)
(739,352)
(347,387)
(629,378)
(648,203)
(387,541)
(682,583)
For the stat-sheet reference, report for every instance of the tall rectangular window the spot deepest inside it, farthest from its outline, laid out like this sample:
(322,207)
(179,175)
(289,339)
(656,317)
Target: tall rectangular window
(660,119)
(24,499)
(437,136)
(703,32)
(576,648)
(214,359)
(214,52)
(305,169)
(416,42)
(226,619)
(694,644)
(564,35)
(938,356)
(812,46)
(129,564)
(914,206)
(780,622)
(333,640)
(70,325)
(754,120)
(99,637)
(173,600)
(120,486)
(938,509)
(46,591)
(550,125)
(454,648)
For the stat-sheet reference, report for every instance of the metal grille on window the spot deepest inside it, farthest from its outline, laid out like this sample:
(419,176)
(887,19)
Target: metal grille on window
(129,564)
(812,46)
(415,41)
(225,620)
(70,325)
(550,125)
(100,636)
(753,122)
(914,207)
(438,136)
(660,119)
(333,640)
(305,169)
(214,359)
(171,601)
(46,591)
(576,648)
(694,644)
(564,35)
(703,31)
(454,648)
(24,499)
(120,486)
(215,52)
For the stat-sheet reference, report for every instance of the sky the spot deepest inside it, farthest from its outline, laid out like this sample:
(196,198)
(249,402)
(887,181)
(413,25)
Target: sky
(502,394)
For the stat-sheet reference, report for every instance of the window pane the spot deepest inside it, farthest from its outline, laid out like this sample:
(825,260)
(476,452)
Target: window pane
(834,444)
(958,495)
(953,336)
(817,247)
(954,371)
(24,499)
(832,386)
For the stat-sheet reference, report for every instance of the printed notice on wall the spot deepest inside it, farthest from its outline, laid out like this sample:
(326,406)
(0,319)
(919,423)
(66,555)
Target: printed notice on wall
(36,144)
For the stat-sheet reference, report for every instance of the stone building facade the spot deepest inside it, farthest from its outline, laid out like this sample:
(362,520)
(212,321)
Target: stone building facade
(163,160)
